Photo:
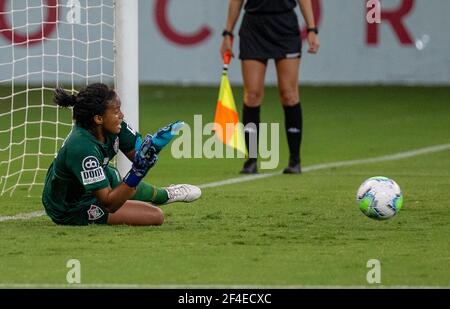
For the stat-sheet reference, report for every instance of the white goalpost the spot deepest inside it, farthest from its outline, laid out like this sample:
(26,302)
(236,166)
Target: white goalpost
(49,43)
(127,67)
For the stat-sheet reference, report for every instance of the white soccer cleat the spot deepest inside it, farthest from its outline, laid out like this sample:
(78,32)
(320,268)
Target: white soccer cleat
(183,193)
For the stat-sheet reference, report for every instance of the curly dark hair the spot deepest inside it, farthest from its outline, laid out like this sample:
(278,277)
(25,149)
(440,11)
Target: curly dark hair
(90,101)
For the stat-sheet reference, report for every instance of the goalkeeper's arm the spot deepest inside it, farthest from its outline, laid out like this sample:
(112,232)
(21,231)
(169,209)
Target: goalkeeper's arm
(113,199)
(145,158)
(159,140)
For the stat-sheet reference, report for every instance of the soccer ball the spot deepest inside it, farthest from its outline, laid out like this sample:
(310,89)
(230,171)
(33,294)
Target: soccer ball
(379,198)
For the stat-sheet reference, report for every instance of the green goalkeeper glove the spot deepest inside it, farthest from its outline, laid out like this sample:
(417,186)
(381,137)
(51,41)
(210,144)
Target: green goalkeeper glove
(163,136)
(144,159)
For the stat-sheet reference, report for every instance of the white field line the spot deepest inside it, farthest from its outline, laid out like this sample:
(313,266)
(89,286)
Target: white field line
(23,216)
(391,157)
(204,286)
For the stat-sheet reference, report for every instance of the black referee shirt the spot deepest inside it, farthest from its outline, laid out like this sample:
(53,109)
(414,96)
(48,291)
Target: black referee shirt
(269,6)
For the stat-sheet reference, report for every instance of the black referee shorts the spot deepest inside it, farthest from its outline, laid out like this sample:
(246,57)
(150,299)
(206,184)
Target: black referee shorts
(270,36)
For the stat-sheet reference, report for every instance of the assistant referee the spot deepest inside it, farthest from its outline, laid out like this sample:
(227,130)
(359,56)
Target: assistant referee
(270,30)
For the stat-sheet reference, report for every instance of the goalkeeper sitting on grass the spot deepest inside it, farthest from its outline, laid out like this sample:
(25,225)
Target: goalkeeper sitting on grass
(80,186)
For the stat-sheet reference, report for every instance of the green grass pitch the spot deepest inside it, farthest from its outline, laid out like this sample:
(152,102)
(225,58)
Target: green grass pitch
(283,230)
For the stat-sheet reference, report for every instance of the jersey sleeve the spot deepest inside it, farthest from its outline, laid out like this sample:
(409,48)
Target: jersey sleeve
(85,163)
(127,138)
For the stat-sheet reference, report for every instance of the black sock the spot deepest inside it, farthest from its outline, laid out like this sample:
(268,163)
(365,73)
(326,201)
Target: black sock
(293,120)
(251,116)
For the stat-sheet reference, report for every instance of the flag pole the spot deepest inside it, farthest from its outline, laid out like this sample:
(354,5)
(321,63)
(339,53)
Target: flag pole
(226,112)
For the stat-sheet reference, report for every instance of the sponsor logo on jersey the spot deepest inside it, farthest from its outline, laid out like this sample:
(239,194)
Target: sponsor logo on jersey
(92,171)
(95,213)
(90,163)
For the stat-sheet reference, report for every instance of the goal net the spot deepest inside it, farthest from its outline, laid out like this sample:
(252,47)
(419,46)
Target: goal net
(44,44)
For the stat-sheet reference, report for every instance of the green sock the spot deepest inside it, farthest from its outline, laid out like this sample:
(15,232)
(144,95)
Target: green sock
(149,193)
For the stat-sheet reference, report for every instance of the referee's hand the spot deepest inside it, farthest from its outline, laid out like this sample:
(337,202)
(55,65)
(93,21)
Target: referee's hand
(313,42)
(227,45)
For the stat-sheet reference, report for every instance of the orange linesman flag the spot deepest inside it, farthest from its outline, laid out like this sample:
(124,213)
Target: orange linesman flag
(226,121)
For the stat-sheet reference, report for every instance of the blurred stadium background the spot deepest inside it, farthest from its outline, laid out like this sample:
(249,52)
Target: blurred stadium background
(374,91)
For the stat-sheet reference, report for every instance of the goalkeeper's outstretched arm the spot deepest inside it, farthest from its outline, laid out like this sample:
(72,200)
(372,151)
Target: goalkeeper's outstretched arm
(160,139)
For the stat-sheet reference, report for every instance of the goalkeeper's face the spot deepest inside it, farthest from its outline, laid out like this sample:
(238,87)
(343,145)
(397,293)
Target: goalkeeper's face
(112,119)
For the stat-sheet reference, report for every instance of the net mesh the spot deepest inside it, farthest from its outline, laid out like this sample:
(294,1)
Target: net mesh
(44,44)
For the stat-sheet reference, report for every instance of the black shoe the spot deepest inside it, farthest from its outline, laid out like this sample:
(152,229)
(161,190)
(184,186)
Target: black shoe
(250,167)
(293,167)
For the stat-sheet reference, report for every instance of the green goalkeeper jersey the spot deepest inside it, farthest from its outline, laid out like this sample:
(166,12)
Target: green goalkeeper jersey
(80,168)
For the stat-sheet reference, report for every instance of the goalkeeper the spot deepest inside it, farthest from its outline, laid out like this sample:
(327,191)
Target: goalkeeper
(82,188)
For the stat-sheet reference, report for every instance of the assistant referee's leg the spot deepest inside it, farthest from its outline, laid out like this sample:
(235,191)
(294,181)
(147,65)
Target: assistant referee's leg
(287,75)
(253,74)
